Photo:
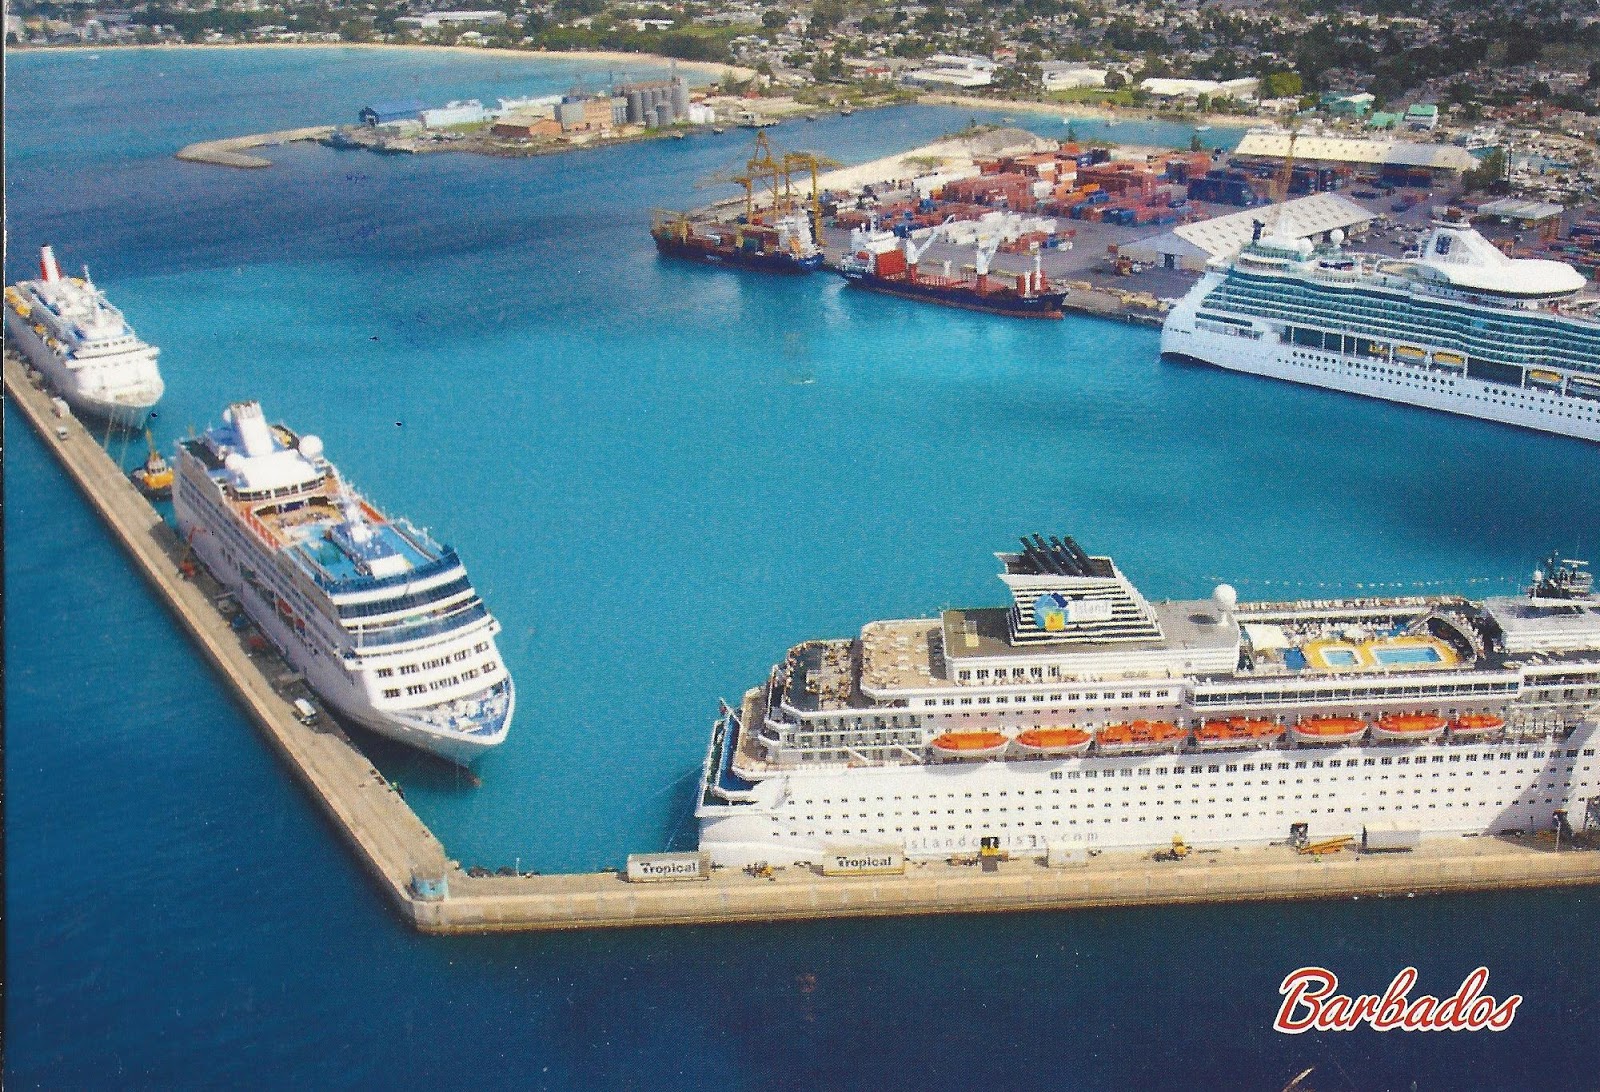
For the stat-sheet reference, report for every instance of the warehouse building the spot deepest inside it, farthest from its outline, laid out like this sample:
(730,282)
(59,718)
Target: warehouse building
(1191,246)
(1399,160)
(387,113)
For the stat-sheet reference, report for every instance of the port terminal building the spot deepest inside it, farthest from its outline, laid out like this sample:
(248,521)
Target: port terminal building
(1401,161)
(1190,246)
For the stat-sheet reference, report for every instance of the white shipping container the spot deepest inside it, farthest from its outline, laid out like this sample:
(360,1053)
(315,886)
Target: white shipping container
(1058,855)
(658,867)
(865,861)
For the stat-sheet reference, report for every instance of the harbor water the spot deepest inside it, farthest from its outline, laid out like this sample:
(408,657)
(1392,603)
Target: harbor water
(660,476)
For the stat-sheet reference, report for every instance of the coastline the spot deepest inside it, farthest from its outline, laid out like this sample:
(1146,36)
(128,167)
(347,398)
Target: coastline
(738,72)
(1092,113)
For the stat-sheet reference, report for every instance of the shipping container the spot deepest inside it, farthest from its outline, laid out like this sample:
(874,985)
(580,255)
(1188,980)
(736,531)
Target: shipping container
(1389,840)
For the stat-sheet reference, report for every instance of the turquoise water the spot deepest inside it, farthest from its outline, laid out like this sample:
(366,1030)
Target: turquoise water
(1406,655)
(660,477)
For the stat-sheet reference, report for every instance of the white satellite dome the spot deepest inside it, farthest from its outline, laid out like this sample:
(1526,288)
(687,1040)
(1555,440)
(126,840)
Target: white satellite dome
(1304,247)
(234,462)
(1336,236)
(1225,597)
(311,446)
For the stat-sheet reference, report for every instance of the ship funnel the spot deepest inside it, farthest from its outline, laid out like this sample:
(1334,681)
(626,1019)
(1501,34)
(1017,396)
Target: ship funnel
(48,270)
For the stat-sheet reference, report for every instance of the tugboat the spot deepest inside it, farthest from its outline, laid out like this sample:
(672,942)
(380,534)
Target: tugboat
(154,478)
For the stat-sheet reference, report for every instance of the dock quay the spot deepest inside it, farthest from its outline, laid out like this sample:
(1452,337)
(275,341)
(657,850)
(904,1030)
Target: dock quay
(233,151)
(429,890)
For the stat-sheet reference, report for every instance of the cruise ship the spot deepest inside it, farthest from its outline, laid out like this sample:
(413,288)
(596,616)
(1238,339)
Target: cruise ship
(83,345)
(1460,327)
(379,618)
(1086,717)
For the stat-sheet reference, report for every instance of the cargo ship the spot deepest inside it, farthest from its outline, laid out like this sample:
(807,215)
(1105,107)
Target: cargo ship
(776,232)
(880,261)
(786,245)
(1082,716)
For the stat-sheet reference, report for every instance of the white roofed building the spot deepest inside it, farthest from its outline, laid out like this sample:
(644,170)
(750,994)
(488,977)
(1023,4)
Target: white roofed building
(1441,159)
(1191,246)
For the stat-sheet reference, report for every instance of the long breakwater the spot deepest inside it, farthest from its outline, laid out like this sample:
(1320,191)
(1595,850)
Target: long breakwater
(417,877)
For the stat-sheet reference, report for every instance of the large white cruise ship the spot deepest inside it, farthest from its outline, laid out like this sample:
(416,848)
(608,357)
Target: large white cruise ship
(381,619)
(1461,327)
(1085,716)
(83,345)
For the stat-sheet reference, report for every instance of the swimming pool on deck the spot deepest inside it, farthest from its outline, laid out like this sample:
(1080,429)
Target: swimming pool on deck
(1377,654)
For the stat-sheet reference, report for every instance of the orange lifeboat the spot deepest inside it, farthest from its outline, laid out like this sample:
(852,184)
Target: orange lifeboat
(1476,724)
(1138,736)
(1054,741)
(1329,730)
(970,744)
(1409,727)
(1215,735)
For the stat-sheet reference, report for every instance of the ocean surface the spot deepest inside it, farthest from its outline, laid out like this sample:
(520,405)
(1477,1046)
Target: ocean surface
(660,477)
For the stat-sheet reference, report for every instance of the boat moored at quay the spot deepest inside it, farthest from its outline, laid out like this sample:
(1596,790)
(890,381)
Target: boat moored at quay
(83,345)
(1461,327)
(380,619)
(1084,715)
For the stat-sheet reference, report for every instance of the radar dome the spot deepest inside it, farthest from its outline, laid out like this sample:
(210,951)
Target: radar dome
(1336,237)
(311,446)
(1304,247)
(1225,597)
(234,462)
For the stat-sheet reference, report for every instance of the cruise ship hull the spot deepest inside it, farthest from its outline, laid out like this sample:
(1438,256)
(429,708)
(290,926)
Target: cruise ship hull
(1414,384)
(483,722)
(127,405)
(1246,797)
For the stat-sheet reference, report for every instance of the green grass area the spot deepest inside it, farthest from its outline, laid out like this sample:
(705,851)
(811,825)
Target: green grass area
(1093,96)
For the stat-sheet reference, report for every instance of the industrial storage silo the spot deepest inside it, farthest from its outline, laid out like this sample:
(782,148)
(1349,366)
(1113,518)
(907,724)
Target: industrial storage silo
(680,98)
(635,106)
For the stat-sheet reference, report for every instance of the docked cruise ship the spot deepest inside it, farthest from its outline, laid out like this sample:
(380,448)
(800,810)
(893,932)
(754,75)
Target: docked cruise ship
(83,345)
(1461,327)
(379,618)
(1084,716)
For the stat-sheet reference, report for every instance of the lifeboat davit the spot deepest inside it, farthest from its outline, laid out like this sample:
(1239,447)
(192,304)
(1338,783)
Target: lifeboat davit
(1476,724)
(1329,730)
(970,744)
(1409,727)
(1215,735)
(1139,736)
(1054,741)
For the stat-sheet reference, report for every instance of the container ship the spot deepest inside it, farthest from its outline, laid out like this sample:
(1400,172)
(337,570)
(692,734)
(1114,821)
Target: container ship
(1082,716)
(82,345)
(380,619)
(880,261)
(777,231)
(786,245)
(1461,327)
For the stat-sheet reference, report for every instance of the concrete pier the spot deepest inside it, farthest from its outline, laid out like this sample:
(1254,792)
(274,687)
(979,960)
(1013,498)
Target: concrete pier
(232,151)
(413,871)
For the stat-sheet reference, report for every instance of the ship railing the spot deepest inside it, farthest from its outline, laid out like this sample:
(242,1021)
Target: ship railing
(336,585)
(404,634)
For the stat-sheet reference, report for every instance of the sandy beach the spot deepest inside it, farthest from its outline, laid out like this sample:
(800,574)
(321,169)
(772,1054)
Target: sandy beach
(1097,113)
(609,56)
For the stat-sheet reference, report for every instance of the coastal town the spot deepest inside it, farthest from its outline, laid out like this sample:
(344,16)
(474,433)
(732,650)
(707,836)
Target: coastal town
(1525,79)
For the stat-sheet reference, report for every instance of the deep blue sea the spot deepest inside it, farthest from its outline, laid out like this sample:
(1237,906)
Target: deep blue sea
(660,477)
